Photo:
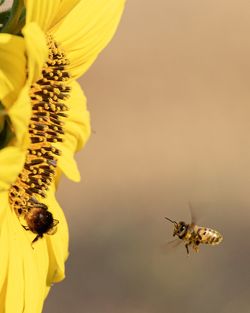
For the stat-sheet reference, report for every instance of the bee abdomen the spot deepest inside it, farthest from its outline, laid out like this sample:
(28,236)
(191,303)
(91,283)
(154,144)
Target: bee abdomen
(210,236)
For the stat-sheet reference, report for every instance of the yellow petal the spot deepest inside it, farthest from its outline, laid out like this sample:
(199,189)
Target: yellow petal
(37,50)
(4,242)
(27,268)
(86,30)
(65,7)
(20,113)
(42,12)
(78,123)
(36,266)
(57,243)
(12,67)
(11,163)
(15,284)
(67,162)
(77,132)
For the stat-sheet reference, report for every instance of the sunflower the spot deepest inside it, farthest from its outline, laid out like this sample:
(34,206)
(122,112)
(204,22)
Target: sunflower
(47,108)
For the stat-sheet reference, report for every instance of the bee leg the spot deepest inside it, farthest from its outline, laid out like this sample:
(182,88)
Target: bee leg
(25,227)
(196,248)
(36,238)
(186,245)
(196,244)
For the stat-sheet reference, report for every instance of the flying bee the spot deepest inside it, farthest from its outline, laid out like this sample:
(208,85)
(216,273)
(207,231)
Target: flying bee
(40,221)
(193,235)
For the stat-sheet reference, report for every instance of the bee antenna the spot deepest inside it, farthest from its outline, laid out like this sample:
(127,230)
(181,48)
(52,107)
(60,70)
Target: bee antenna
(174,222)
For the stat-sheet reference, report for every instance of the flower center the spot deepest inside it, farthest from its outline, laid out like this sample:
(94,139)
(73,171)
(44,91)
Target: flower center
(48,96)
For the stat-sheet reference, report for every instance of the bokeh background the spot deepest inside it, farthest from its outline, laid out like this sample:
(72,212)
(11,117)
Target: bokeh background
(170,106)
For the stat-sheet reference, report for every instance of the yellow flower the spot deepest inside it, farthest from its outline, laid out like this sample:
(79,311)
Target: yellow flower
(61,39)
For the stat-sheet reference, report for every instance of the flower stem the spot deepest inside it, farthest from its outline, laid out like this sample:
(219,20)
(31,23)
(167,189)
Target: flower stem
(15,20)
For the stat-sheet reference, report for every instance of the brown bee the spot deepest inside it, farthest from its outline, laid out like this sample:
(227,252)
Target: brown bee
(193,235)
(40,221)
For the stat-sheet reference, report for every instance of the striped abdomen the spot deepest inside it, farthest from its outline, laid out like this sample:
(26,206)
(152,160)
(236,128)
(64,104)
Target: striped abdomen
(208,236)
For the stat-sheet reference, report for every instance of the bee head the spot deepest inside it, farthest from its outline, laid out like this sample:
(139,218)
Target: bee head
(180,228)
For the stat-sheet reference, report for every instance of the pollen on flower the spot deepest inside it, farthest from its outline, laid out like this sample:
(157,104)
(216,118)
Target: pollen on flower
(48,96)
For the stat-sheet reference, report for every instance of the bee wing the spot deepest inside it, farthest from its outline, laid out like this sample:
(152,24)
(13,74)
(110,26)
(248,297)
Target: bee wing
(55,222)
(192,213)
(168,246)
(53,230)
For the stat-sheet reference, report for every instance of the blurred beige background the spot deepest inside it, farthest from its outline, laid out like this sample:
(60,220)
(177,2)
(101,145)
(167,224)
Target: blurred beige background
(170,106)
